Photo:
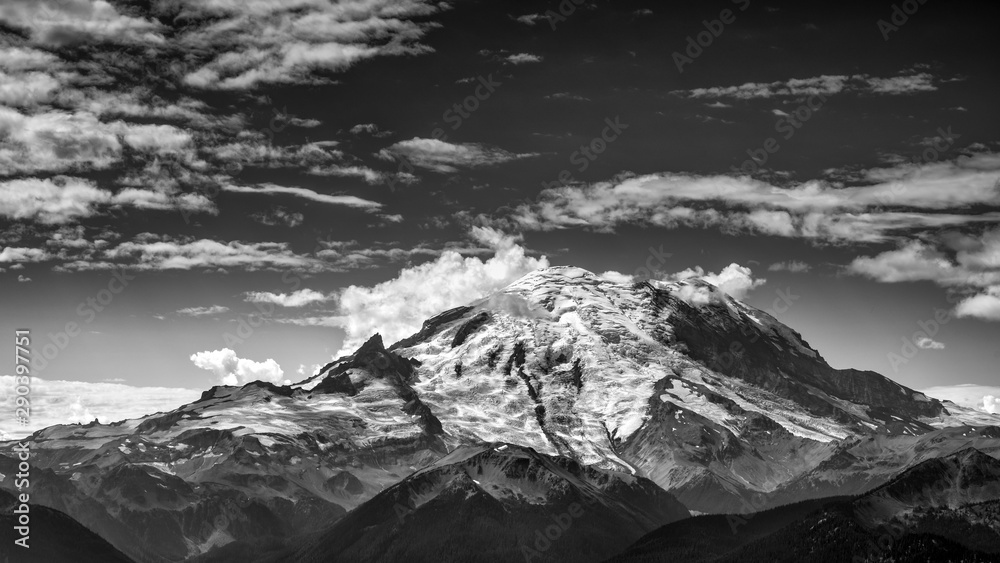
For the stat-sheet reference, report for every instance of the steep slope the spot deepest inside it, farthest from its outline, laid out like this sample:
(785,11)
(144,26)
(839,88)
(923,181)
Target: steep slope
(239,463)
(54,538)
(714,401)
(943,509)
(498,502)
(711,399)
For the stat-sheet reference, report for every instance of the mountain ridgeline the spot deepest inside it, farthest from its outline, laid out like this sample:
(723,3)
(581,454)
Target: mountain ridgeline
(561,418)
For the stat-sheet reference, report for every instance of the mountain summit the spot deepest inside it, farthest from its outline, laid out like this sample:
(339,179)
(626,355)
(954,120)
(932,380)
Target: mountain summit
(669,383)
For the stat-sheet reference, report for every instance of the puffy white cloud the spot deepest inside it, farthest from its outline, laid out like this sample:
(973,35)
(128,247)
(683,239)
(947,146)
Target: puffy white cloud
(735,280)
(18,255)
(232,370)
(985,306)
(984,398)
(928,343)
(298,298)
(991,404)
(50,200)
(913,262)
(27,89)
(523,58)
(67,402)
(617,277)
(959,261)
(397,308)
(442,156)
(57,141)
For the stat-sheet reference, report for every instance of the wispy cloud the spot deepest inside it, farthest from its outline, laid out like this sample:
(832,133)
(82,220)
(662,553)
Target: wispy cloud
(299,298)
(442,156)
(523,58)
(826,85)
(793,266)
(203,311)
(272,189)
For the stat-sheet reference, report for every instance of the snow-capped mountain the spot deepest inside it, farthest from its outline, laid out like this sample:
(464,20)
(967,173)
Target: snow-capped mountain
(714,401)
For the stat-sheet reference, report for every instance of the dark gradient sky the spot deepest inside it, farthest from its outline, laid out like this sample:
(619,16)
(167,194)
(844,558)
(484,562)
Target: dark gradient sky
(605,61)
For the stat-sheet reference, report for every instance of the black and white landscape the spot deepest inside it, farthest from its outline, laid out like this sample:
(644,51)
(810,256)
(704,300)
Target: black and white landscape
(372,281)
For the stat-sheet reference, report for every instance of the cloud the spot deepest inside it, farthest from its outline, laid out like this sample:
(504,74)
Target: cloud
(26,89)
(397,308)
(287,43)
(202,311)
(991,404)
(271,189)
(161,253)
(441,156)
(299,298)
(965,263)
(950,261)
(980,397)
(232,370)
(531,19)
(735,280)
(67,22)
(67,402)
(929,344)
(895,200)
(523,58)
(21,254)
(793,266)
(50,200)
(58,141)
(367,174)
(371,129)
(616,277)
(279,216)
(825,85)
(985,306)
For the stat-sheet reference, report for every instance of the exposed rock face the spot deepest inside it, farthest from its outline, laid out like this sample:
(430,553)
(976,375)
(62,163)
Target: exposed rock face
(493,503)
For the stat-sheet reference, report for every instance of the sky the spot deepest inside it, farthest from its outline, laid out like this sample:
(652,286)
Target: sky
(196,193)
